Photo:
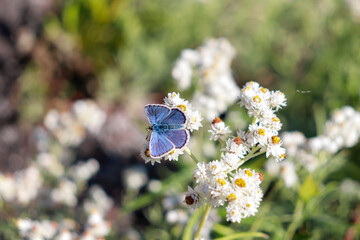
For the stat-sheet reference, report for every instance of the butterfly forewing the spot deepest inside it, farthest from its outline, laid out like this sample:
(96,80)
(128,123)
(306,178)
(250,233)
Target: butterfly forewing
(156,113)
(178,137)
(176,116)
(159,145)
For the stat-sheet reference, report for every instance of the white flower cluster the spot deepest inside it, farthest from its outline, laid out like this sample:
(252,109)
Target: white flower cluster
(98,201)
(96,228)
(210,64)
(22,186)
(342,130)
(218,130)
(70,184)
(26,185)
(53,180)
(264,132)
(216,185)
(193,122)
(69,127)
(286,169)
(221,182)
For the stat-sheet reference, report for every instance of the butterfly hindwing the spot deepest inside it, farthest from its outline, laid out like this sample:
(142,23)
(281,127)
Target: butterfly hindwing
(159,145)
(156,113)
(178,137)
(176,116)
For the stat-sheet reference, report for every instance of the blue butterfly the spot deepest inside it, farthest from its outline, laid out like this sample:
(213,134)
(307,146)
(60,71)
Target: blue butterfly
(167,132)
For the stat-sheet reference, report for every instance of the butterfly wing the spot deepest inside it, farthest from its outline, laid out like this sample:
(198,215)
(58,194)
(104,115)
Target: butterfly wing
(178,137)
(176,116)
(156,113)
(159,145)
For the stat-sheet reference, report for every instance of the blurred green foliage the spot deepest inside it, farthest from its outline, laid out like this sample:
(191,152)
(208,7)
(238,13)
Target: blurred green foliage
(293,45)
(288,45)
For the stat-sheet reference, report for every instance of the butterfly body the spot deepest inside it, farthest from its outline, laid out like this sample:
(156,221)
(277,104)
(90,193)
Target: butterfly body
(166,127)
(167,132)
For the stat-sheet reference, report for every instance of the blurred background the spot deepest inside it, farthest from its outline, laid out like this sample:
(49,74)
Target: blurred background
(117,56)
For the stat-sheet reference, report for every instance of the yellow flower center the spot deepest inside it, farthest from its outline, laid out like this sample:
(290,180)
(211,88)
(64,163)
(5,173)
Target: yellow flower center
(261,131)
(240,182)
(257,99)
(275,139)
(172,152)
(283,156)
(248,172)
(231,197)
(248,205)
(221,181)
(182,107)
(233,213)
(264,90)
(147,153)
(275,119)
(246,89)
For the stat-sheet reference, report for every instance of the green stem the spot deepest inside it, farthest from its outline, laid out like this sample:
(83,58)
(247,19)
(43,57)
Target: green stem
(202,222)
(295,221)
(251,155)
(187,150)
(257,154)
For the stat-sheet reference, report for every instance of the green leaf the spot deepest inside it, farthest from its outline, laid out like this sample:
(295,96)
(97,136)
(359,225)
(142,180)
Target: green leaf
(244,235)
(223,230)
(189,228)
(308,189)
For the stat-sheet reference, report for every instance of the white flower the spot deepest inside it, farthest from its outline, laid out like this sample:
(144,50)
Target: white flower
(258,134)
(24,226)
(83,171)
(52,120)
(174,100)
(176,216)
(145,154)
(200,173)
(135,177)
(292,142)
(50,163)
(28,184)
(245,195)
(277,100)
(218,130)
(194,120)
(65,193)
(210,65)
(7,187)
(174,155)
(98,201)
(231,160)
(69,126)
(64,235)
(89,115)
(234,145)
(97,226)
(182,73)
(288,173)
